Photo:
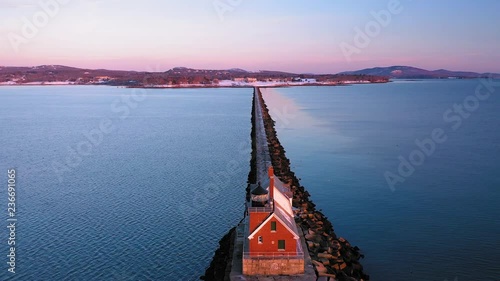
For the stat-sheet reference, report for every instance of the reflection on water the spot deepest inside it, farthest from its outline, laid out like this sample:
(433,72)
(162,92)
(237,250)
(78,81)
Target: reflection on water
(300,123)
(286,112)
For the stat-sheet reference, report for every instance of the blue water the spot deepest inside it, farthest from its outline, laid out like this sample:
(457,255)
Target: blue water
(152,197)
(149,200)
(442,222)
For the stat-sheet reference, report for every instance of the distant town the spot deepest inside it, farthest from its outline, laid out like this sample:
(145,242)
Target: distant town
(176,77)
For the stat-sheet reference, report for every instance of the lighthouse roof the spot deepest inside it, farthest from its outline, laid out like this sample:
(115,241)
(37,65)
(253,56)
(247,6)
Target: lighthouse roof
(283,217)
(259,190)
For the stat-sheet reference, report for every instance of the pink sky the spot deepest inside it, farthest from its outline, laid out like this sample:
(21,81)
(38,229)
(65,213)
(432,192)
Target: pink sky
(253,35)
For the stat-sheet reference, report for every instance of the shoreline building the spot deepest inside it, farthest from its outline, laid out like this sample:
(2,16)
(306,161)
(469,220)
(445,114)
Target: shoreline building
(272,244)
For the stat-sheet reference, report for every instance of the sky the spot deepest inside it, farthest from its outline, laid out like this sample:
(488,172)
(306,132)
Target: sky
(324,36)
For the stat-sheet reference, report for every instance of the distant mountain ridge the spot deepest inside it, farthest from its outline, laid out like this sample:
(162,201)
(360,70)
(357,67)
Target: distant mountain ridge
(409,72)
(177,76)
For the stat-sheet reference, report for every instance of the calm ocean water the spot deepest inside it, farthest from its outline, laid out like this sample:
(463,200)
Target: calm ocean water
(442,222)
(148,200)
(152,197)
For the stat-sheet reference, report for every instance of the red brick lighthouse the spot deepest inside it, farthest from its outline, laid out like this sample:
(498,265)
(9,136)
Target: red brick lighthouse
(272,241)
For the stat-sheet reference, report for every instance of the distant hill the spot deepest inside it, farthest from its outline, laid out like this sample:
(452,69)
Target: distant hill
(408,72)
(177,76)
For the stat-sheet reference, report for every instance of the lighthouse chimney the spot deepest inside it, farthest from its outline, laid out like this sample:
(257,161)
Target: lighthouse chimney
(270,173)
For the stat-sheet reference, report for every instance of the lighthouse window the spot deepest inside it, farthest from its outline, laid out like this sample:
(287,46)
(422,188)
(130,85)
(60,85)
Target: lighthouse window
(273,226)
(281,245)
(260,239)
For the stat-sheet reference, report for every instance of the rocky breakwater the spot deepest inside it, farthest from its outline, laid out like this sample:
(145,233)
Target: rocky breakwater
(220,265)
(333,256)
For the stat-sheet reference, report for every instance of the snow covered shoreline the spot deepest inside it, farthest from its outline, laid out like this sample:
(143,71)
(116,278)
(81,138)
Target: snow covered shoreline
(221,84)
